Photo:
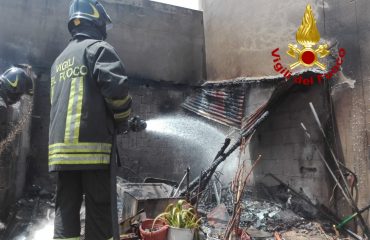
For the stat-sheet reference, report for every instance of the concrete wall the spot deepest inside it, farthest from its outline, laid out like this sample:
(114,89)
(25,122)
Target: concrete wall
(349,22)
(285,150)
(156,41)
(14,157)
(240,35)
(174,138)
(241,46)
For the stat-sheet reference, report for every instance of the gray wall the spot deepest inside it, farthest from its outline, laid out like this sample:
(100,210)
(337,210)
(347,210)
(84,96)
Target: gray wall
(174,138)
(14,157)
(285,150)
(348,22)
(156,41)
(240,35)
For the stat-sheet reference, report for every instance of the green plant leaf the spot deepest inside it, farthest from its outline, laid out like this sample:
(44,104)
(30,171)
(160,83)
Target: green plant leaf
(180,215)
(169,207)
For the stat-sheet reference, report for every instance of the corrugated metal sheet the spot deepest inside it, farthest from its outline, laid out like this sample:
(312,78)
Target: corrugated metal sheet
(224,105)
(224,102)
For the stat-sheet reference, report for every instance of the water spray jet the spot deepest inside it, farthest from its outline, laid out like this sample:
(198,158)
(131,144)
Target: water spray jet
(193,141)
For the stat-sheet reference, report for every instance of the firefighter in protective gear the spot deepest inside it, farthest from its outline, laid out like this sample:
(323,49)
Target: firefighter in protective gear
(15,82)
(89,101)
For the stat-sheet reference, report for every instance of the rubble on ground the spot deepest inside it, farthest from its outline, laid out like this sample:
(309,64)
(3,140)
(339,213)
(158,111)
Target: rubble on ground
(31,217)
(262,217)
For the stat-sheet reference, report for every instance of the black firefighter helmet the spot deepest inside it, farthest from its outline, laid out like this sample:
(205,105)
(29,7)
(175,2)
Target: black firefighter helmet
(91,11)
(16,81)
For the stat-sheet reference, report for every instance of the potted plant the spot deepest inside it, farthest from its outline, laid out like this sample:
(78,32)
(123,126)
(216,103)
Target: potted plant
(153,230)
(182,220)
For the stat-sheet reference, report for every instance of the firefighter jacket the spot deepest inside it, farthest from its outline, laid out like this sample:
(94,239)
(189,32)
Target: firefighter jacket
(89,94)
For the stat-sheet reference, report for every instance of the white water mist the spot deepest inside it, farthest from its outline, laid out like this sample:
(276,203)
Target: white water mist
(194,139)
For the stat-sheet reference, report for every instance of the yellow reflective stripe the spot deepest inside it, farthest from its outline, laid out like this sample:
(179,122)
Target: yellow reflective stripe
(118,102)
(75,118)
(121,115)
(78,162)
(79,110)
(72,93)
(73,121)
(79,159)
(78,150)
(92,144)
(80,156)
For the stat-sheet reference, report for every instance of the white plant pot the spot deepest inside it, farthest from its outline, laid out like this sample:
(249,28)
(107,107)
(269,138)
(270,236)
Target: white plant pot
(180,233)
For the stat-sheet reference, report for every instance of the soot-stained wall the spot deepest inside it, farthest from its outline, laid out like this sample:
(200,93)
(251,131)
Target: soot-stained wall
(14,155)
(285,150)
(157,41)
(174,138)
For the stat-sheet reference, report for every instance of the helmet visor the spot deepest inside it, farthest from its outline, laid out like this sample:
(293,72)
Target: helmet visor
(83,8)
(11,75)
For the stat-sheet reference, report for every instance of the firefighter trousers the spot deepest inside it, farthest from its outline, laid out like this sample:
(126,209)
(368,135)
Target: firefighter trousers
(71,186)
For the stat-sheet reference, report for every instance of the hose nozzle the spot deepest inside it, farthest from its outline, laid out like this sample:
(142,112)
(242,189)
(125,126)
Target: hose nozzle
(137,124)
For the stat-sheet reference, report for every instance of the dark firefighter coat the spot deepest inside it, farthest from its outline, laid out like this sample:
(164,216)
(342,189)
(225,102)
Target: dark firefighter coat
(89,94)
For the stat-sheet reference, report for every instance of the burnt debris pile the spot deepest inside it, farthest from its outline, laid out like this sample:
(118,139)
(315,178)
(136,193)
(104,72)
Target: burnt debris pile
(267,212)
(31,217)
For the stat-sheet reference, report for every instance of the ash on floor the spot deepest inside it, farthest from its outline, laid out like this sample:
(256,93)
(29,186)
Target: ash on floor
(31,217)
(262,217)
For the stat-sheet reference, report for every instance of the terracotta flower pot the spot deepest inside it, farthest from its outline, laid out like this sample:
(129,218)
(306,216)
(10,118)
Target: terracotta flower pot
(159,231)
